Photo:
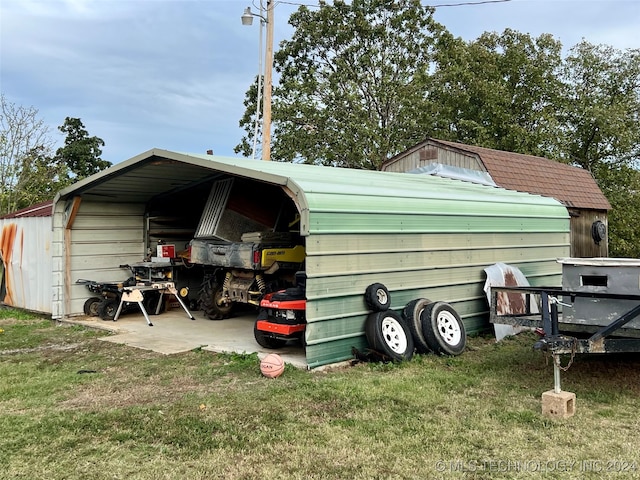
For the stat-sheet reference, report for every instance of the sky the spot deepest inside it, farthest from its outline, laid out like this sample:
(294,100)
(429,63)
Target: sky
(172,74)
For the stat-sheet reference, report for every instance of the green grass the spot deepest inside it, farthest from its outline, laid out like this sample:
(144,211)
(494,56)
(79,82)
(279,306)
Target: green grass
(74,407)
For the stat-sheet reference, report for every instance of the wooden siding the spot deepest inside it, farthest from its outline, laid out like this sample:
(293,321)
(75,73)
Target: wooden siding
(428,154)
(582,243)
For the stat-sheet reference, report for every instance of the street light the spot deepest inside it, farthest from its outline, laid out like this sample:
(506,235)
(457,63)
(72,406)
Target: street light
(247,19)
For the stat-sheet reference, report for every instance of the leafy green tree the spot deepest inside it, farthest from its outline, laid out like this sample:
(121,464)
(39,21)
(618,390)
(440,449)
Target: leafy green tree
(41,180)
(248,122)
(80,153)
(353,83)
(24,144)
(621,186)
(601,132)
(500,91)
(601,114)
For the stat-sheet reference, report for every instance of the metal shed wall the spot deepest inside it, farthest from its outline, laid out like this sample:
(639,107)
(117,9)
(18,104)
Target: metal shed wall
(25,247)
(421,236)
(99,238)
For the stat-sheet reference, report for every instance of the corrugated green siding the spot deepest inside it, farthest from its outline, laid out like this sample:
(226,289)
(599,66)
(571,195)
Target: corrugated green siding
(422,237)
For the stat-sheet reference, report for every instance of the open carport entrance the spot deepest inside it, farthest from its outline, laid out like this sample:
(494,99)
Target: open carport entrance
(179,202)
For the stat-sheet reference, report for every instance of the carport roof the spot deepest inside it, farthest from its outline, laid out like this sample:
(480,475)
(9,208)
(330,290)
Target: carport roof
(162,172)
(157,172)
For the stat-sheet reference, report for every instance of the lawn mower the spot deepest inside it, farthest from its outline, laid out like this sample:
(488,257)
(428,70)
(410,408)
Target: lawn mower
(282,316)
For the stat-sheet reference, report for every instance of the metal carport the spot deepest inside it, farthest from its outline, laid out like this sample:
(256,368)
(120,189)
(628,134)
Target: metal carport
(422,236)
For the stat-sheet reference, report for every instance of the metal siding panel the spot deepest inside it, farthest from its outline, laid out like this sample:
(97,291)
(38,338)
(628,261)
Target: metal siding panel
(443,265)
(421,237)
(27,258)
(58,278)
(102,239)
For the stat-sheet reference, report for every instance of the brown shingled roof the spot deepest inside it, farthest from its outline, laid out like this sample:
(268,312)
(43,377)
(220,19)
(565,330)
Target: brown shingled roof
(572,186)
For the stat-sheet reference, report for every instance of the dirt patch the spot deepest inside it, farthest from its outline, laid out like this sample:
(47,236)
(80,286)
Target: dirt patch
(110,396)
(19,351)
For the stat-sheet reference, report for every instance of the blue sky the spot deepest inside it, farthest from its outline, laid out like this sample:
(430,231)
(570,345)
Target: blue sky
(172,74)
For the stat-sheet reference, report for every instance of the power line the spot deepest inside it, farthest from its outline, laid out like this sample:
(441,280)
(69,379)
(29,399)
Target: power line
(479,2)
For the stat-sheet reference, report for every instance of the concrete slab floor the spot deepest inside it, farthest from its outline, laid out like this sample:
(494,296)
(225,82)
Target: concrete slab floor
(173,332)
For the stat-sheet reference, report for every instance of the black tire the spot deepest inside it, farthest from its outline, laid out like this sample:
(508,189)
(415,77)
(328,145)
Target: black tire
(388,334)
(266,341)
(443,329)
(150,302)
(411,314)
(211,302)
(107,308)
(377,297)
(91,306)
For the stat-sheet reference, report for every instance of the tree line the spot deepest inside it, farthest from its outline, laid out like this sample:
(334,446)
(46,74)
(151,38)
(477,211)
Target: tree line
(31,171)
(362,81)
(359,82)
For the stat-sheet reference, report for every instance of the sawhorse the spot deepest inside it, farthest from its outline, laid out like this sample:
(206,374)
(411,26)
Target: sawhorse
(134,294)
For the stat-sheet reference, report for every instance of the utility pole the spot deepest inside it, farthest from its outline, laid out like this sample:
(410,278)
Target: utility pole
(268,83)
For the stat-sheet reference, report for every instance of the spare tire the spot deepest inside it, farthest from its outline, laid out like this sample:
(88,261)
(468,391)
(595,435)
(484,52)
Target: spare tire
(387,333)
(443,329)
(412,315)
(377,297)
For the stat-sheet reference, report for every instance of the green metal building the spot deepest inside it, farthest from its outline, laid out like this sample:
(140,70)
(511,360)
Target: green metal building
(420,235)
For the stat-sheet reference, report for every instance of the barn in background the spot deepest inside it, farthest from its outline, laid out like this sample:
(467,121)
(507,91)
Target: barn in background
(574,187)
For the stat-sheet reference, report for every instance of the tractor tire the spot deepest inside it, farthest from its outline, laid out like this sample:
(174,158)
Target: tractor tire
(210,302)
(107,308)
(443,329)
(90,307)
(265,340)
(412,315)
(377,297)
(388,334)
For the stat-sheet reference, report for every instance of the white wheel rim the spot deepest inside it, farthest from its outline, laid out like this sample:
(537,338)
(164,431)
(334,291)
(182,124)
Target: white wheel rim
(382,296)
(448,328)
(394,335)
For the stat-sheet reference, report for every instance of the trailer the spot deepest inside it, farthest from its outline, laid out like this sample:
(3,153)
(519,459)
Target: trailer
(596,310)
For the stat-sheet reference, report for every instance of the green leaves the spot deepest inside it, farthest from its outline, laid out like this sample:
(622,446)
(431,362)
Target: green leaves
(80,153)
(351,79)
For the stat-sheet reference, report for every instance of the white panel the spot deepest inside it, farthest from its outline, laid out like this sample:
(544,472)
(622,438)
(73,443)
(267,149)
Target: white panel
(26,255)
(103,237)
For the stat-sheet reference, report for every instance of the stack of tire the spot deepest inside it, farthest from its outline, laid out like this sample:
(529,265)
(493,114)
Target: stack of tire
(424,326)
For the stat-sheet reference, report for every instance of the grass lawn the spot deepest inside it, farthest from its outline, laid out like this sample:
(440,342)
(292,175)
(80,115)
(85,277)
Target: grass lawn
(75,407)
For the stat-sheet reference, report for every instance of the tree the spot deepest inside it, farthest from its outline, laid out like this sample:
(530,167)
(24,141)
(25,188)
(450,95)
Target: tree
(601,115)
(24,144)
(353,83)
(249,121)
(80,153)
(601,132)
(499,91)
(621,186)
